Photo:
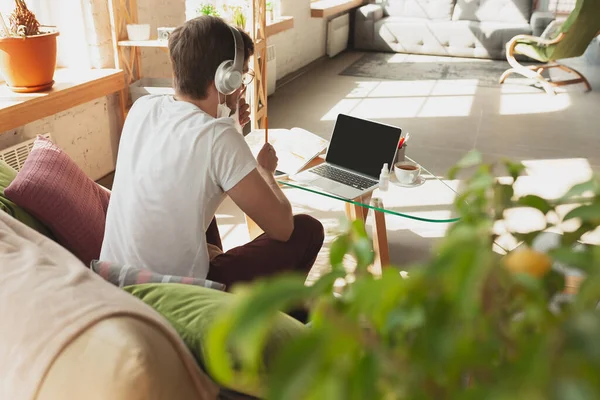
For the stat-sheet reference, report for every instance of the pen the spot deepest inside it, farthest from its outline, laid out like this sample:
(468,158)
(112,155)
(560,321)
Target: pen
(401,143)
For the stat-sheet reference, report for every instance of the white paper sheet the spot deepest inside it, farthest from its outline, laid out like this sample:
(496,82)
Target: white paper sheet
(295,147)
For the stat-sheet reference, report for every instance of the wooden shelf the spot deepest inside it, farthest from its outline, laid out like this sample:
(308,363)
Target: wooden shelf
(327,8)
(144,43)
(71,88)
(280,25)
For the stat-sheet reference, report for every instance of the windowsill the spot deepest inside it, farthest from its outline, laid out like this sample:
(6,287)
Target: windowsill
(71,88)
(144,43)
(281,24)
(327,8)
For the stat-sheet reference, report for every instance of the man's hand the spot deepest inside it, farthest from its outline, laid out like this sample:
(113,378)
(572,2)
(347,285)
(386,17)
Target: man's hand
(267,158)
(237,100)
(244,112)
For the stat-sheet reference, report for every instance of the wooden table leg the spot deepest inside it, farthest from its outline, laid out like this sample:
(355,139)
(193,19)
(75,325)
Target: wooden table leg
(354,211)
(380,239)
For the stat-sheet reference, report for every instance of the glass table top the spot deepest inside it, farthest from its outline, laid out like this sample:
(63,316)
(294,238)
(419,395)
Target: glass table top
(431,201)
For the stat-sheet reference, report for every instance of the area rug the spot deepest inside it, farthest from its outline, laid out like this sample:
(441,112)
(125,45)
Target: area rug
(409,67)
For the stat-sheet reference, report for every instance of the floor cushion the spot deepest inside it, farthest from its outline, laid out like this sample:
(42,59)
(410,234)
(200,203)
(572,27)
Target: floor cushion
(57,192)
(7,175)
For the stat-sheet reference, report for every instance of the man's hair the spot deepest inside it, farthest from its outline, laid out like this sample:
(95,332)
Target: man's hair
(197,48)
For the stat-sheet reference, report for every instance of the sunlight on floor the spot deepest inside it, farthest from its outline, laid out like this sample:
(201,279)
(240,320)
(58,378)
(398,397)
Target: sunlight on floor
(438,233)
(373,89)
(405,107)
(344,106)
(422,229)
(402,107)
(455,87)
(551,178)
(408,99)
(533,103)
(233,235)
(448,106)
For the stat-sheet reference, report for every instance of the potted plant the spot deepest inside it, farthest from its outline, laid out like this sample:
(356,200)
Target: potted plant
(27,52)
(235,13)
(208,9)
(467,324)
(239,18)
(270,11)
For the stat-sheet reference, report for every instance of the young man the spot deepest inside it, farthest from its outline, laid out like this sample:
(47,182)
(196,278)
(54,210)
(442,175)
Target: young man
(179,156)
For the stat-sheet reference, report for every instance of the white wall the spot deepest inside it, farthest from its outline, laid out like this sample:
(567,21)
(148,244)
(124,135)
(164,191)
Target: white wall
(303,44)
(88,133)
(159,13)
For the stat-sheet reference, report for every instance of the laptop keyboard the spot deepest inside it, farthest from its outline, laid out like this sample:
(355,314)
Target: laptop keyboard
(341,176)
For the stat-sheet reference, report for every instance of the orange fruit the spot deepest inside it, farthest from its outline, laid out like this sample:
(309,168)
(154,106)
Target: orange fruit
(528,261)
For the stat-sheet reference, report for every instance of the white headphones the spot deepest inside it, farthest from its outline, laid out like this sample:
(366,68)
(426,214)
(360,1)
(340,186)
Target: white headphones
(229,75)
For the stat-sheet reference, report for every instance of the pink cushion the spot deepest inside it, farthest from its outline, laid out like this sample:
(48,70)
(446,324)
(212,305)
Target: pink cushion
(53,188)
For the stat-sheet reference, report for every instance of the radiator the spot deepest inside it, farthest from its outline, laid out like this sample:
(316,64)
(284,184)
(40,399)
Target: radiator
(338,30)
(16,155)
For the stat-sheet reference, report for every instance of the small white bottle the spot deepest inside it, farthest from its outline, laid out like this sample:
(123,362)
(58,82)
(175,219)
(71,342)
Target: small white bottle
(384,178)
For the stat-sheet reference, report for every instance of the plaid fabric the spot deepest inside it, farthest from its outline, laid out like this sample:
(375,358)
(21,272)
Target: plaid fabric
(126,275)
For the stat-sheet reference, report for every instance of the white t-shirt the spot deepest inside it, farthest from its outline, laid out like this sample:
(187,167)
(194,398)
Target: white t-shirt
(174,166)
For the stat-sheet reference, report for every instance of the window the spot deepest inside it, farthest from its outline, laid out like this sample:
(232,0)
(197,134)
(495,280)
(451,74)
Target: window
(561,6)
(239,12)
(72,44)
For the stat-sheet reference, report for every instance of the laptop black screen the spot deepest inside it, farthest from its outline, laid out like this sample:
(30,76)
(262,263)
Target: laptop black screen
(362,146)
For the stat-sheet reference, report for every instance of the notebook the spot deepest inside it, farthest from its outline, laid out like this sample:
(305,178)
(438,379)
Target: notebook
(295,147)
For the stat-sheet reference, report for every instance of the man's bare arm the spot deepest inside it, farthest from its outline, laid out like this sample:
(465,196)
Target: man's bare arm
(259,196)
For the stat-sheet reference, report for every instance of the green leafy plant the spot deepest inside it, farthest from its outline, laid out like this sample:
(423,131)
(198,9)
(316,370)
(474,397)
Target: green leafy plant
(467,324)
(236,13)
(239,18)
(270,7)
(208,9)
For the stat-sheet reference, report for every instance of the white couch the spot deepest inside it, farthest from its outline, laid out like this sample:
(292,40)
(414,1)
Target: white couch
(462,28)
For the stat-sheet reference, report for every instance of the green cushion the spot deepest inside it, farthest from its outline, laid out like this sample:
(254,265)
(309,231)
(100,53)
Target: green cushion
(534,51)
(7,175)
(192,309)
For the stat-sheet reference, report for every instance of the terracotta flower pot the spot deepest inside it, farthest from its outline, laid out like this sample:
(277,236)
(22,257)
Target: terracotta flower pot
(28,63)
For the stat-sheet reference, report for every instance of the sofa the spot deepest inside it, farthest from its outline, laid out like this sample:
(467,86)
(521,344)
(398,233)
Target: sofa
(67,334)
(460,28)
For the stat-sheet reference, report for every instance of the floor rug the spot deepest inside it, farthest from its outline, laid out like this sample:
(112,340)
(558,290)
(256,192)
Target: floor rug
(411,67)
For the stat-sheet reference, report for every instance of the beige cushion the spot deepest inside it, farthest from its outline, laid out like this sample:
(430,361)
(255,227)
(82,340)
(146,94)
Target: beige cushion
(120,358)
(428,9)
(512,11)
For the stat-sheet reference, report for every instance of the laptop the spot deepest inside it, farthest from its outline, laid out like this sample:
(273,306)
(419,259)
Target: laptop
(355,157)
